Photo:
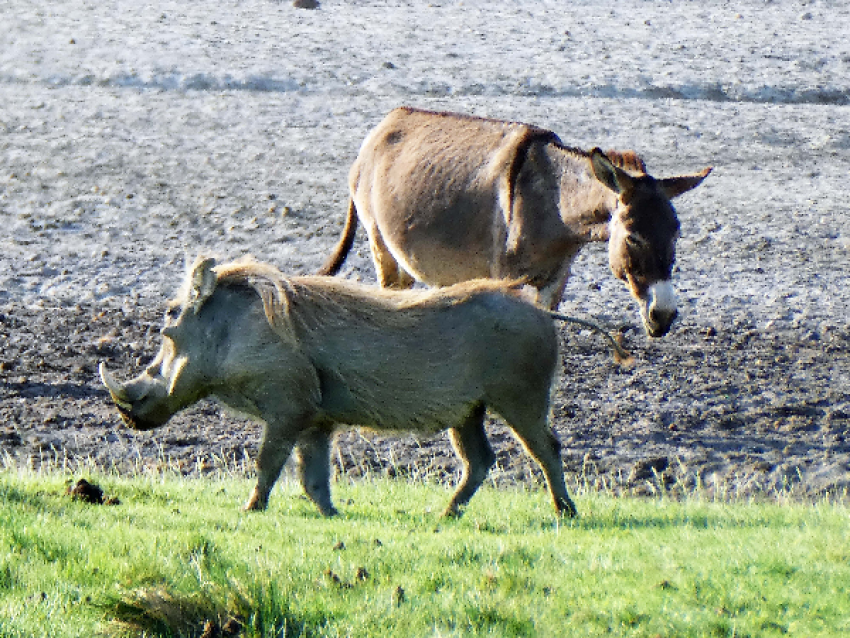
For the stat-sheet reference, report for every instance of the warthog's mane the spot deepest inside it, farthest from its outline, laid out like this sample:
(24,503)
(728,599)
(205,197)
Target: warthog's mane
(301,302)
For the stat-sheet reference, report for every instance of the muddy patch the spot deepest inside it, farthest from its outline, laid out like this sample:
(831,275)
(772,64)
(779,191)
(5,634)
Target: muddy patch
(734,412)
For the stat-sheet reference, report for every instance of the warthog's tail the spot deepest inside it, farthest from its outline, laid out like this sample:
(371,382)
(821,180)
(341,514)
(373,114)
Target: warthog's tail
(343,247)
(621,355)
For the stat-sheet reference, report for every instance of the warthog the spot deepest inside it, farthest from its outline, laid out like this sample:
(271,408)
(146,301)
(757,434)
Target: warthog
(306,354)
(447,197)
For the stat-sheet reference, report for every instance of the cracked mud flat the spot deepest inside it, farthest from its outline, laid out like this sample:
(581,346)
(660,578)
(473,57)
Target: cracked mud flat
(132,139)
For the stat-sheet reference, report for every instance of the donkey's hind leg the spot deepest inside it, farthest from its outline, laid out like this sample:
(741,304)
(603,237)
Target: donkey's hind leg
(473,448)
(390,272)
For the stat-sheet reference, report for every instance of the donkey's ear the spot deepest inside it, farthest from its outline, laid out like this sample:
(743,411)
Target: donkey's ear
(675,186)
(203,281)
(613,177)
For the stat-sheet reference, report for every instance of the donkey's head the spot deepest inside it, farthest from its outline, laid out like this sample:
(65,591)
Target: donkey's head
(642,240)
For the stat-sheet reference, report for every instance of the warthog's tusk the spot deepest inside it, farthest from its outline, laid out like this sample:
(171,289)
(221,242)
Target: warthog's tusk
(621,355)
(116,390)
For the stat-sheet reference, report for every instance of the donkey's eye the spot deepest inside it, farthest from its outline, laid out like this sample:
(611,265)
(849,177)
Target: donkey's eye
(638,270)
(636,242)
(635,262)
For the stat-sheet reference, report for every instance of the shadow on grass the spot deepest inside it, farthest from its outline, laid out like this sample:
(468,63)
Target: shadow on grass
(212,612)
(681,514)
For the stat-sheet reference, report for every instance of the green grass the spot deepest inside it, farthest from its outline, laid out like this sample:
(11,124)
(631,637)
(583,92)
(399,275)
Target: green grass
(177,553)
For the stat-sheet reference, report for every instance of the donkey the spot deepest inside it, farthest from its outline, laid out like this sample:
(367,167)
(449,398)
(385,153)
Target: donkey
(446,197)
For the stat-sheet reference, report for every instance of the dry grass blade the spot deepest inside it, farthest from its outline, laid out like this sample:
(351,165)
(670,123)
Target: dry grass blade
(621,355)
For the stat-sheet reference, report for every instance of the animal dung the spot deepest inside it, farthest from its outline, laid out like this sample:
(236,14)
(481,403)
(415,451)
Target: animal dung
(87,492)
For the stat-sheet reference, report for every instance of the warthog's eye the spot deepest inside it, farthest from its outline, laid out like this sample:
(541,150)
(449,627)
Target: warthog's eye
(172,313)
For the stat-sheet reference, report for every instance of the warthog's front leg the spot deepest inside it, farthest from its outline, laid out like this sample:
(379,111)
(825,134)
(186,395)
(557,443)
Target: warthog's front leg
(473,448)
(275,448)
(313,458)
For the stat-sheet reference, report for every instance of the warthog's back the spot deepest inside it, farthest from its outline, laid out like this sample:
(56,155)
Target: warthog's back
(420,360)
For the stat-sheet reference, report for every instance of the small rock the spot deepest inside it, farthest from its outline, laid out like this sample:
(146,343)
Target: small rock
(648,468)
(232,627)
(306,4)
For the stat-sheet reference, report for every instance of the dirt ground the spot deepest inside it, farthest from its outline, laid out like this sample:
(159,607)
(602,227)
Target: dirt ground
(753,413)
(134,137)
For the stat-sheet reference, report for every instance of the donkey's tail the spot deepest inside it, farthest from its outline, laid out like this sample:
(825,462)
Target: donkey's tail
(621,355)
(343,247)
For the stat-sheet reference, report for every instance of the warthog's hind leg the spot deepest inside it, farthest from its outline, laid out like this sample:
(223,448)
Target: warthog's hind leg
(542,445)
(312,455)
(473,448)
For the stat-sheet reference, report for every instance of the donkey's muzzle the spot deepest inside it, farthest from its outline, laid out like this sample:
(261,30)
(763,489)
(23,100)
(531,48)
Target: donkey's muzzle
(658,322)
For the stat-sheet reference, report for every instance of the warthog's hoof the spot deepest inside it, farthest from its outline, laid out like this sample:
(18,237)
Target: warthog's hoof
(452,511)
(255,504)
(566,508)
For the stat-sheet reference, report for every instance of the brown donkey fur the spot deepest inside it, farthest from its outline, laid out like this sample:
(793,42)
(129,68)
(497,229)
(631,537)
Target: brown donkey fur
(446,198)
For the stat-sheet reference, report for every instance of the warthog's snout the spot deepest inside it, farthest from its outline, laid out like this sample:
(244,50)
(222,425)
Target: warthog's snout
(116,390)
(136,401)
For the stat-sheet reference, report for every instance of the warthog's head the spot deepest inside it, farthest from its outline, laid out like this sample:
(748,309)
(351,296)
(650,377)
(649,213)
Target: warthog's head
(143,402)
(178,376)
(642,241)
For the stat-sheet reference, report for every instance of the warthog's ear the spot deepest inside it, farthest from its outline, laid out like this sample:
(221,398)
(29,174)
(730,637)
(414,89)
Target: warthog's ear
(203,281)
(612,176)
(675,186)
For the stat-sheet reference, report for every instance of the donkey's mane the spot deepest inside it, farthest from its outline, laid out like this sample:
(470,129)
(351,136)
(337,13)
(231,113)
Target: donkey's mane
(628,159)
